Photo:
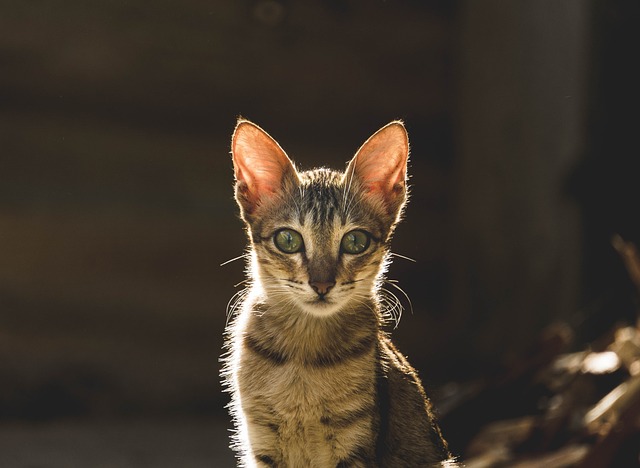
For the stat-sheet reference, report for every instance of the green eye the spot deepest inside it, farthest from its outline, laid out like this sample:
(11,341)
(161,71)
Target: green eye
(355,242)
(288,240)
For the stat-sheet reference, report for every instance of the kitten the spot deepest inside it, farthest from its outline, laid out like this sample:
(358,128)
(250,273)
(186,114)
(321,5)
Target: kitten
(314,380)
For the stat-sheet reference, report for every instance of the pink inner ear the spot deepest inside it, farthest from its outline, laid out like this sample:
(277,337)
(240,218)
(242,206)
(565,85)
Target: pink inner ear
(260,164)
(257,168)
(381,162)
(383,172)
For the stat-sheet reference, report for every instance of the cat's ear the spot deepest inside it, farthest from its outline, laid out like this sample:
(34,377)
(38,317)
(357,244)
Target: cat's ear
(380,166)
(261,166)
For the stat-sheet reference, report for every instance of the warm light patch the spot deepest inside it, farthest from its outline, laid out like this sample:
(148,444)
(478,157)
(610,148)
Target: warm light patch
(601,363)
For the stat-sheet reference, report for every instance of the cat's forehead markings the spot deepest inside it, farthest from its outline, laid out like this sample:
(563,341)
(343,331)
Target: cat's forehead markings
(306,220)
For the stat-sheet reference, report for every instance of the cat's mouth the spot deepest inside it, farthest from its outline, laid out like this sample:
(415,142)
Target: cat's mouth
(320,301)
(321,306)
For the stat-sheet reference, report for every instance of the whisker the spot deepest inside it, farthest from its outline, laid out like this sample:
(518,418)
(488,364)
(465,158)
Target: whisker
(393,307)
(235,302)
(244,255)
(347,187)
(283,300)
(393,283)
(352,205)
(288,280)
(351,282)
(362,300)
(402,256)
(241,282)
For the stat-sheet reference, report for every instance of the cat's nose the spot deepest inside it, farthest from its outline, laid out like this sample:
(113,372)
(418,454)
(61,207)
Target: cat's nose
(322,287)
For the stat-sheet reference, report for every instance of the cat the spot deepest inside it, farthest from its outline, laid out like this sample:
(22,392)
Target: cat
(314,379)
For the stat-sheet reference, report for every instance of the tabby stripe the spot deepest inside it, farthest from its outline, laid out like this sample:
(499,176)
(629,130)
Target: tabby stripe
(359,349)
(345,420)
(258,419)
(266,459)
(269,354)
(359,454)
(384,406)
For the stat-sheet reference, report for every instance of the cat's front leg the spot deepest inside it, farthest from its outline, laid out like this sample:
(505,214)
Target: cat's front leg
(262,444)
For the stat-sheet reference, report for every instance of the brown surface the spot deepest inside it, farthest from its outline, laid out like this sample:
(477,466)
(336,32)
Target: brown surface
(121,444)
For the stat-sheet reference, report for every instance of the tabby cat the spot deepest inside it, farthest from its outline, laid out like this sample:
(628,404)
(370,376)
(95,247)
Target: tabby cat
(315,381)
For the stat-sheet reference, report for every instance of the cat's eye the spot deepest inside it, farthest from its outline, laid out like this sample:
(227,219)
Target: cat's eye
(288,241)
(355,242)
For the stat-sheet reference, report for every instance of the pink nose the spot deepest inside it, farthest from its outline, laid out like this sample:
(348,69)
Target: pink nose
(322,287)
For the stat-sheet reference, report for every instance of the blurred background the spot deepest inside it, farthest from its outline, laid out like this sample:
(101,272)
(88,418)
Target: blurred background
(116,202)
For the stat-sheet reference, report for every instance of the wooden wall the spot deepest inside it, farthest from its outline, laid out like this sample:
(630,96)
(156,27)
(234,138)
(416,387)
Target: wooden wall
(116,205)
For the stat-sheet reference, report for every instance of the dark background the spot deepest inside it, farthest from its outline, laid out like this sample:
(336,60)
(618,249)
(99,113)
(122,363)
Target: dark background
(116,205)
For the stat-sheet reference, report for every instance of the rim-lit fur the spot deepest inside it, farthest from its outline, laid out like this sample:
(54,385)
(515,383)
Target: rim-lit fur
(314,380)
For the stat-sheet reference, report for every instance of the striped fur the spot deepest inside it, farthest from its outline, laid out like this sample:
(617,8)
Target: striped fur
(314,380)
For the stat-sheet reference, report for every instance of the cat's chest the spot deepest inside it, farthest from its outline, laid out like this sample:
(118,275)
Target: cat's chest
(290,386)
(307,412)
(308,370)
(293,389)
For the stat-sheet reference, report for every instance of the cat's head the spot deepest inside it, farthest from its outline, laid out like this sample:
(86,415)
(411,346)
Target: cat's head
(319,238)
